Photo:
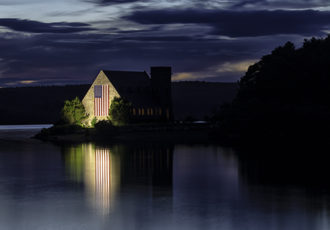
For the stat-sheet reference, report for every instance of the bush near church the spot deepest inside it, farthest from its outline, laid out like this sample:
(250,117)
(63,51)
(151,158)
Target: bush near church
(73,112)
(119,112)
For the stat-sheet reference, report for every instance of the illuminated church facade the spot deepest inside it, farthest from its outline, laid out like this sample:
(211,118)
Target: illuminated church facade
(150,97)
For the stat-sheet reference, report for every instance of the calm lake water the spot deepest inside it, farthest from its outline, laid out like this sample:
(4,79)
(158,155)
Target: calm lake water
(149,186)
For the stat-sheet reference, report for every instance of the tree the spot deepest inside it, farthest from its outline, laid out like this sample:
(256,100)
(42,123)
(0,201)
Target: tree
(119,112)
(73,112)
(284,96)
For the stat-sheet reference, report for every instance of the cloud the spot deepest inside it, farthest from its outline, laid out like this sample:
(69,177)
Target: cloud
(50,58)
(42,27)
(11,83)
(240,23)
(191,49)
(235,67)
(114,2)
(222,4)
(117,1)
(279,4)
(27,82)
(185,76)
(225,72)
(159,38)
(77,58)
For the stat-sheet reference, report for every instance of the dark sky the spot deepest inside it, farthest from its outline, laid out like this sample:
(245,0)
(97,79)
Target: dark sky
(44,42)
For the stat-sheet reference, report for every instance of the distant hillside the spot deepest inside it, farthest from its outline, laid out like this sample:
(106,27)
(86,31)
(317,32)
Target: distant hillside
(35,104)
(27,105)
(199,99)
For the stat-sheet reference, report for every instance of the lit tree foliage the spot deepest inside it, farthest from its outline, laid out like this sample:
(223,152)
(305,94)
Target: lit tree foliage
(73,112)
(119,112)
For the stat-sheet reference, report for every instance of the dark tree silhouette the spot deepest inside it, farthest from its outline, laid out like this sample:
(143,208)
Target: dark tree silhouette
(284,96)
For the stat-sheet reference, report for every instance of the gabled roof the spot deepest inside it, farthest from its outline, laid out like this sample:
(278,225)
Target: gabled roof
(132,85)
(121,79)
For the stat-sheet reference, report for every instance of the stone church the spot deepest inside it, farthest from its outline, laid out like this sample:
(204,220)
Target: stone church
(150,97)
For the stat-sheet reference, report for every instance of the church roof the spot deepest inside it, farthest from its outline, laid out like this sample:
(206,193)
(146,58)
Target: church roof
(132,85)
(122,79)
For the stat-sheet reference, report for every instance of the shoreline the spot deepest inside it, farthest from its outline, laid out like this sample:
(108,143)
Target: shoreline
(170,133)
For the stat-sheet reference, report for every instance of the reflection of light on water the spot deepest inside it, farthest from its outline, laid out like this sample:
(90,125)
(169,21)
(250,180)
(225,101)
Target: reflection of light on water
(102,178)
(100,170)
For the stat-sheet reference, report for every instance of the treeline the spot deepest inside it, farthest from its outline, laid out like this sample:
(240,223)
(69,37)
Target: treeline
(31,105)
(34,105)
(282,98)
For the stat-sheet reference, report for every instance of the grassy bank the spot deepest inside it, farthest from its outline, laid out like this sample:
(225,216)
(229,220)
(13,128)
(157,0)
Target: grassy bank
(178,133)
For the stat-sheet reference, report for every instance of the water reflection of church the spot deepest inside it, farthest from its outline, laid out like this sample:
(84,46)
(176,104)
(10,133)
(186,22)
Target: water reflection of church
(103,171)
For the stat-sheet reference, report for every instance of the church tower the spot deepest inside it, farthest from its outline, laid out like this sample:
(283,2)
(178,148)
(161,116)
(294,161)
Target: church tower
(162,90)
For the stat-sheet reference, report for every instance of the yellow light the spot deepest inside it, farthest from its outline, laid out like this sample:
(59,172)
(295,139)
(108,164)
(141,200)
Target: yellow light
(99,170)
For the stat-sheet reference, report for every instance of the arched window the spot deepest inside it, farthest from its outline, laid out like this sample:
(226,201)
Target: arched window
(134,112)
(151,111)
(142,112)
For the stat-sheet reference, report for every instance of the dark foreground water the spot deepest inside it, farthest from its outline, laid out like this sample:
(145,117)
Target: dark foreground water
(150,186)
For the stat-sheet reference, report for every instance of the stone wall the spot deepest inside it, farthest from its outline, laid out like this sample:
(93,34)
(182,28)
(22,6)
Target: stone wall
(88,100)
